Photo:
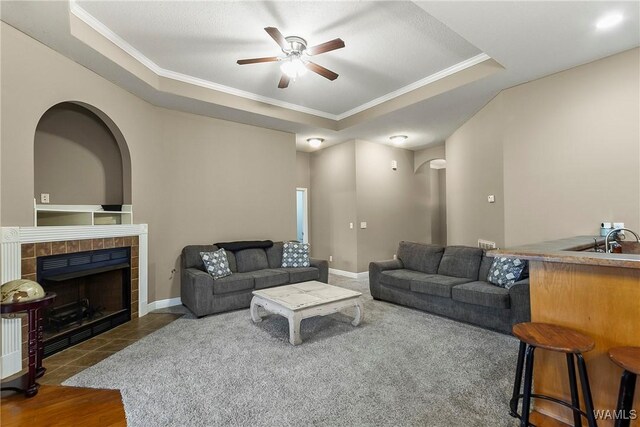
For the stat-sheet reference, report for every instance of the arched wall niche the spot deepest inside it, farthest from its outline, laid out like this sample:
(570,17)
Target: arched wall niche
(81,157)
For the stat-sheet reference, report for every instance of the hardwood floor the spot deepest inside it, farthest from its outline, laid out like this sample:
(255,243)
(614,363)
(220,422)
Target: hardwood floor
(64,406)
(57,405)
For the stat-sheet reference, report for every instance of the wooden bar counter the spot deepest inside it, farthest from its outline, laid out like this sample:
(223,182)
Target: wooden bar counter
(594,293)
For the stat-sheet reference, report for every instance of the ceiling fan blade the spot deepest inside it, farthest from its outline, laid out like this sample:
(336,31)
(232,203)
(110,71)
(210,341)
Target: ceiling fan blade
(284,81)
(278,37)
(321,70)
(257,60)
(325,47)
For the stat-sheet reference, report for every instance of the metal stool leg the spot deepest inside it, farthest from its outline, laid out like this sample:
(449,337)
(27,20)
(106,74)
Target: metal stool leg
(513,404)
(526,398)
(625,399)
(575,401)
(586,391)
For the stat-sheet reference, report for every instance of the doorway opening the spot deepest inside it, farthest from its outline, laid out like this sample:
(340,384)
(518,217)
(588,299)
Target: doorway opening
(302,215)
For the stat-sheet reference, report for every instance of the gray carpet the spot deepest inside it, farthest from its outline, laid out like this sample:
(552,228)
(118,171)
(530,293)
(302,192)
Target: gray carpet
(399,367)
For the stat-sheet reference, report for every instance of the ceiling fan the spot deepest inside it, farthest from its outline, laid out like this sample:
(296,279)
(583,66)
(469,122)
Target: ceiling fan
(295,62)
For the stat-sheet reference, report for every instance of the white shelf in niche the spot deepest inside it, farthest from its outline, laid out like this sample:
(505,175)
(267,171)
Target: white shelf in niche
(64,215)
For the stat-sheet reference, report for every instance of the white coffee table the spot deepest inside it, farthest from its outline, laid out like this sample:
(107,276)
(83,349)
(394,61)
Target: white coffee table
(303,300)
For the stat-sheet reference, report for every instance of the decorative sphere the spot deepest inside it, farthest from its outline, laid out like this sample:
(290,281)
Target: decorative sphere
(20,290)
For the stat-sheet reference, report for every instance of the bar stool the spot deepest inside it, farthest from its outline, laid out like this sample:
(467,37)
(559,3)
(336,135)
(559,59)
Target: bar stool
(628,358)
(554,338)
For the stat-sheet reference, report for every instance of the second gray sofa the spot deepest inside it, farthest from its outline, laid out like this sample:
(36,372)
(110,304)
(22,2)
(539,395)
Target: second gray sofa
(451,282)
(252,268)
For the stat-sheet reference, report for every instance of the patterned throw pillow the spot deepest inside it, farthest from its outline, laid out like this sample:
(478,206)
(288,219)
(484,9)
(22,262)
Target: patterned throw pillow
(505,272)
(216,263)
(295,254)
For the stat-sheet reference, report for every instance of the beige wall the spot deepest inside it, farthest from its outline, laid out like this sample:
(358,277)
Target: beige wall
(561,154)
(353,182)
(474,171)
(303,171)
(393,203)
(333,203)
(77,159)
(442,208)
(194,179)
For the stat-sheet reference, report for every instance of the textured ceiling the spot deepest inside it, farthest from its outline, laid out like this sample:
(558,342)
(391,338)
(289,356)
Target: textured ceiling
(388,44)
(530,39)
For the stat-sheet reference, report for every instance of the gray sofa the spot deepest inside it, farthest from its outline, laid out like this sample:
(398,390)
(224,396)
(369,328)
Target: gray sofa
(254,268)
(450,282)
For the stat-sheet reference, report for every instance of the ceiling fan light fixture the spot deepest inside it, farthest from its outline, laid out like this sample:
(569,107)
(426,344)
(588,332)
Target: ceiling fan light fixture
(315,142)
(293,67)
(398,139)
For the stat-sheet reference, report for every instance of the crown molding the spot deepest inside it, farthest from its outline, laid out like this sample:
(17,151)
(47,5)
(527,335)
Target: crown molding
(417,85)
(106,32)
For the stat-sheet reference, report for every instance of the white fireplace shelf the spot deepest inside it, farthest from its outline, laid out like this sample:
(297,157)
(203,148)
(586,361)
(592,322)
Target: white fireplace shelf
(65,215)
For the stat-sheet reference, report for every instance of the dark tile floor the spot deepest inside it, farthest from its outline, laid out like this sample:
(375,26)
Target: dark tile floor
(69,362)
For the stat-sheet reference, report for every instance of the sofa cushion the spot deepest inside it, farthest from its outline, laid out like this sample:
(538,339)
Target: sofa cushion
(234,283)
(274,255)
(505,271)
(461,261)
(231,257)
(436,285)
(295,254)
(301,274)
(251,260)
(191,257)
(420,257)
(485,266)
(482,293)
(216,263)
(269,278)
(401,278)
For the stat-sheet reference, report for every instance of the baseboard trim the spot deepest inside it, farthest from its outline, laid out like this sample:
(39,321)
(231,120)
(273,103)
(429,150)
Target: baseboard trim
(350,274)
(163,303)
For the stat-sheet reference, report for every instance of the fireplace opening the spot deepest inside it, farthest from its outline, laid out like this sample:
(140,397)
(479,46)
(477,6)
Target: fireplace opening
(93,291)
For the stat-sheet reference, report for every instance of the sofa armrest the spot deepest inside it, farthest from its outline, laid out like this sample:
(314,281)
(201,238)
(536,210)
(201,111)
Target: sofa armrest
(375,270)
(520,302)
(196,290)
(323,267)
(390,264)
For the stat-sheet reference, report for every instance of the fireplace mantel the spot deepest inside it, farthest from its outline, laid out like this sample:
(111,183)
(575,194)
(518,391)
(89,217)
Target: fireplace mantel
(14,237)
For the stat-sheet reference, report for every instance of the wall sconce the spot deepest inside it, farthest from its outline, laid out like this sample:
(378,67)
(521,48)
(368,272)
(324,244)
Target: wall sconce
(315,142)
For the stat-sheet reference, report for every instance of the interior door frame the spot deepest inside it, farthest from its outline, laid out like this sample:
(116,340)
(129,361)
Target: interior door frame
(305,212)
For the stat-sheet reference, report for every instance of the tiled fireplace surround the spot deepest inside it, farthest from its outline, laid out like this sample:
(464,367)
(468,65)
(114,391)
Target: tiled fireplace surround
(21,246)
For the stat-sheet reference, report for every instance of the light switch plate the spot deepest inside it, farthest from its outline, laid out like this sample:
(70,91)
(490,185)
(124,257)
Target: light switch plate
(363,225)
(491,198)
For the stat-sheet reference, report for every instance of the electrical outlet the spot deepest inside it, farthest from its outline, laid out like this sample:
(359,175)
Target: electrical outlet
(395,256)
(330,258)
(351,225)
(44,197)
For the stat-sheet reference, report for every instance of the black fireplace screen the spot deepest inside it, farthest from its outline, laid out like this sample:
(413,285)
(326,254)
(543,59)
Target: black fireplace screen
(93,295)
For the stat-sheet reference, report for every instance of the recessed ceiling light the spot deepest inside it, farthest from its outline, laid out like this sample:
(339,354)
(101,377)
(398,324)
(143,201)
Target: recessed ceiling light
(315,142)
(608,21)
(398,139)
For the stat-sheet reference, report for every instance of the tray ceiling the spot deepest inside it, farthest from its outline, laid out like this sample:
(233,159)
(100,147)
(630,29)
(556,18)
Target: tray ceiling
(389,45)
